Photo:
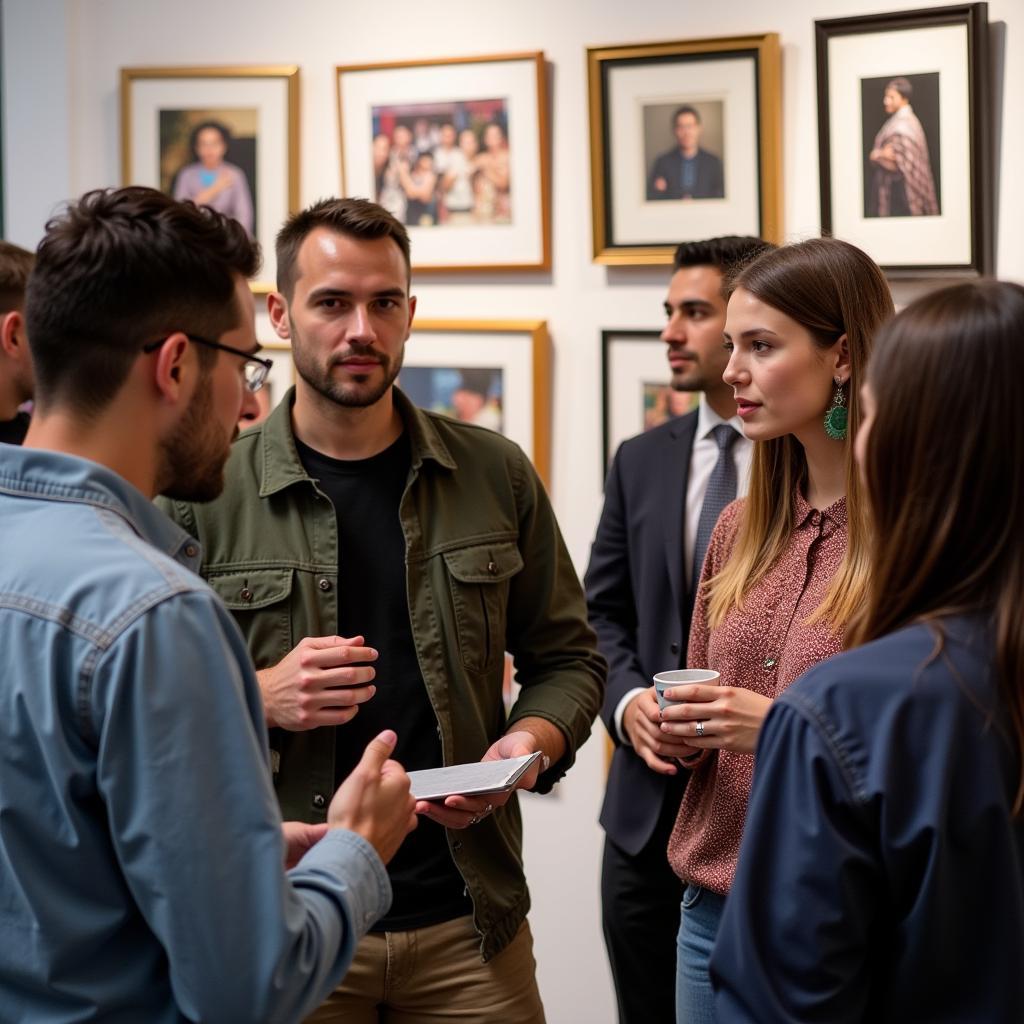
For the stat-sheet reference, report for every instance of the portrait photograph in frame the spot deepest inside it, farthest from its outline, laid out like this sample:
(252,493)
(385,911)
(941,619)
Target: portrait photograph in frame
(637,395)
(903,138)
(226,137)
(457,150)
(495,373)
(685,142)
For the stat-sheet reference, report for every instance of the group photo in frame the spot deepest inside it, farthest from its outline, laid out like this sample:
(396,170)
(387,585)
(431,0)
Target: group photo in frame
(494,373)
(636,390)
(225,137)
(685,142)
(457,150)
(903,138)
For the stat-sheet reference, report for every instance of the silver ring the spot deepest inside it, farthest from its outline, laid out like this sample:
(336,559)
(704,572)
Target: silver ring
(487,810)
(475,820)
(700,728)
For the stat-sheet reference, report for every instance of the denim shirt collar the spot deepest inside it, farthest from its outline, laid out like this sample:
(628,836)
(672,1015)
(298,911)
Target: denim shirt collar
(58,476)
(282,467)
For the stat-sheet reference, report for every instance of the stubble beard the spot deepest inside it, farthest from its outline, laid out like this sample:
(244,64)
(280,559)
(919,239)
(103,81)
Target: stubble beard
(194,456)
(355,395)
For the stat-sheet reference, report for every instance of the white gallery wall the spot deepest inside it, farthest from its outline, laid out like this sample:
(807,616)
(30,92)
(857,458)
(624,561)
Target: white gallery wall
(61,61)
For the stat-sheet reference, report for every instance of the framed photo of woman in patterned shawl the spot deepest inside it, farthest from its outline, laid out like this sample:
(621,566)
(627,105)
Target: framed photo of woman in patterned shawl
(903,138)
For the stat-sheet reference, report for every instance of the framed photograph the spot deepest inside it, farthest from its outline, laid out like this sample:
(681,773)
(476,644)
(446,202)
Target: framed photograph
(685,143)
(903,142)
(495,373)
(637,394)
(457,150)
(227,137)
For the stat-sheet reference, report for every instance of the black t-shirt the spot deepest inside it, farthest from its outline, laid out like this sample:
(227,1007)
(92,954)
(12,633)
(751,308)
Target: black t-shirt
(373,602)
(14,431)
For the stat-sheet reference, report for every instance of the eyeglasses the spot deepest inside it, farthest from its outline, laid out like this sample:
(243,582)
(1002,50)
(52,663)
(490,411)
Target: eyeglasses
(256,369)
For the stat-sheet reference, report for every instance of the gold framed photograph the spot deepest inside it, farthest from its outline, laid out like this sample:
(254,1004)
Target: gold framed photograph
(457,150)
(495,373)
(227,137)
(685,142)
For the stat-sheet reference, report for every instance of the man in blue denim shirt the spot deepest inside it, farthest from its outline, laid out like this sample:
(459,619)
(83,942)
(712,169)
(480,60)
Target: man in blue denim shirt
(142,856)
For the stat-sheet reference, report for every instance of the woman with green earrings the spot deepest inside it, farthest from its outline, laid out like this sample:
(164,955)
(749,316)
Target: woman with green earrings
(786,566)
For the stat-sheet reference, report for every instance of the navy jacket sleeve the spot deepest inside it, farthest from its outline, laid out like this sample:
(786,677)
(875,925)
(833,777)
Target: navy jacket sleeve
(808,833)
(611,603)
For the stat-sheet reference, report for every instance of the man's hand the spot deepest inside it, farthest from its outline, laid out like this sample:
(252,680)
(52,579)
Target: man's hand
(530,734)
(374,801)
(715,717)
(660,185)
(642,724)
(319,682)
(298,838)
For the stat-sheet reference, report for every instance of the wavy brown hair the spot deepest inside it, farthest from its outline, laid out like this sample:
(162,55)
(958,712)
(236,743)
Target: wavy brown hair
(830,288)
(944,468)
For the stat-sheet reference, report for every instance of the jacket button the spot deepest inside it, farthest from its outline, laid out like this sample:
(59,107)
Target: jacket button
(674,648)
(319,800)
(245,594)
(457,846)
(191,550)
(324,585)
(492,568)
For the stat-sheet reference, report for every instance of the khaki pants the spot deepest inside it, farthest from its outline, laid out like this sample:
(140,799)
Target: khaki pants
(435,974)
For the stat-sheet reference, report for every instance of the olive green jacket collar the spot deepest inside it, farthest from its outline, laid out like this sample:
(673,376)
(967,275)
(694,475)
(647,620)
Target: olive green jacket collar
(282,467)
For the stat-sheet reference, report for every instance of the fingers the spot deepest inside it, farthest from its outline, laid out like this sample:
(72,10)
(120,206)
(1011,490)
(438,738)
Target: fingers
(461,811)
(332,651)
(341,697)
(378,751)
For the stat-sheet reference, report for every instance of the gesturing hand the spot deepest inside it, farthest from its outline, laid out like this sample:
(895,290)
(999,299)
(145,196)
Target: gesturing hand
(374,800)
(715,717)
(642,724)
(319,682)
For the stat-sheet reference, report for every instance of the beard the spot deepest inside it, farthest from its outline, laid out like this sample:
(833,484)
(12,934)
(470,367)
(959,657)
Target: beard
(356,393)
(194,455)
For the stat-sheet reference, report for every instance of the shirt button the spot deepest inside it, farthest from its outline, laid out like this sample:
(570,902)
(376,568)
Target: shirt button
(769,662)
(815,518)
(457,846)
(492,568)
(324,585)
(674,648)
(191,550)
(319,800)
(245,594)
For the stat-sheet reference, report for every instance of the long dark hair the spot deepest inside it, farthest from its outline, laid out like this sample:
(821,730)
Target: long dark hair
(944,468)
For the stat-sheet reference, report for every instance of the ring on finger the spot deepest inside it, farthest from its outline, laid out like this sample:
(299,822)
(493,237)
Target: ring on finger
(475,820)
(700,729)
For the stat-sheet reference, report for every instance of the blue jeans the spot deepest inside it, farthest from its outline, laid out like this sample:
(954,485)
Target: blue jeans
(700,915)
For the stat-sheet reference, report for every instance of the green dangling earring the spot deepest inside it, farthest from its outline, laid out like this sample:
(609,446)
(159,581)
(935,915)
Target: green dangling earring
(837,417)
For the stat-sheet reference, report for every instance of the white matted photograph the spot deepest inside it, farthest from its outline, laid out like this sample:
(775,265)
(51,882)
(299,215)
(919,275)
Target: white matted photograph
(903,138)
(456,149)
(495,373)
(637,392)
(685,142)
(225,137)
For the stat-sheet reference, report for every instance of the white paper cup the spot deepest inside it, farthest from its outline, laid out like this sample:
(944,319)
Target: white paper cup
(677,677)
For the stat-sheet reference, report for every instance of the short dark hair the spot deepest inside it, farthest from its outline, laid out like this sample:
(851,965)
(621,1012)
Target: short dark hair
(356,218)
(685,109)
(115,270)
(15,267)
(902,86)
(728,253)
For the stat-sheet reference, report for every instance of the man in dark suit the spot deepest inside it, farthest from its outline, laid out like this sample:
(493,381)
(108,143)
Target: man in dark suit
(686,171)
(643,566)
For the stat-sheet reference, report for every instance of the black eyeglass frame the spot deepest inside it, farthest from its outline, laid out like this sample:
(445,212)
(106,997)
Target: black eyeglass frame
(256,375)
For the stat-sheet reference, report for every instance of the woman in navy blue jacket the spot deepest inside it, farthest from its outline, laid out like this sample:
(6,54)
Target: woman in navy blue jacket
(881,876)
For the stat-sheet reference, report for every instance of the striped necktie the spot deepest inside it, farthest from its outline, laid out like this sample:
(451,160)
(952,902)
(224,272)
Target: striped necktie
(721,490)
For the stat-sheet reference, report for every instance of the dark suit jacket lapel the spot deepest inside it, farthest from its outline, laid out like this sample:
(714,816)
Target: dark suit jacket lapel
(676,474)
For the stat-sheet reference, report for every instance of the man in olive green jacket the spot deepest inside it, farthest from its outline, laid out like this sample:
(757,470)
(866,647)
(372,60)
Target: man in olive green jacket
(349,519)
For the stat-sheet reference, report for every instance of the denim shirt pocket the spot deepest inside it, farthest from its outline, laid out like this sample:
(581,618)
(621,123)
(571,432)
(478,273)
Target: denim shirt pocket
(478,578)
(260,602)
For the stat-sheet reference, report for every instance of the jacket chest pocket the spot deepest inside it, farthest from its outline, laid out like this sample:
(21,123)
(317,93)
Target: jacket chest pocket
(260,602)
(478,578)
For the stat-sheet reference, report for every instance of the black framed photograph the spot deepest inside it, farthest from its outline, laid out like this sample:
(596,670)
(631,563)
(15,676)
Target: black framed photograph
(685,142)
(636,387)
(903,138)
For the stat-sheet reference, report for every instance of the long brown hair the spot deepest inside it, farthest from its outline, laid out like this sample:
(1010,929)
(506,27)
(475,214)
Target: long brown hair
(944,467)
(830,288)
